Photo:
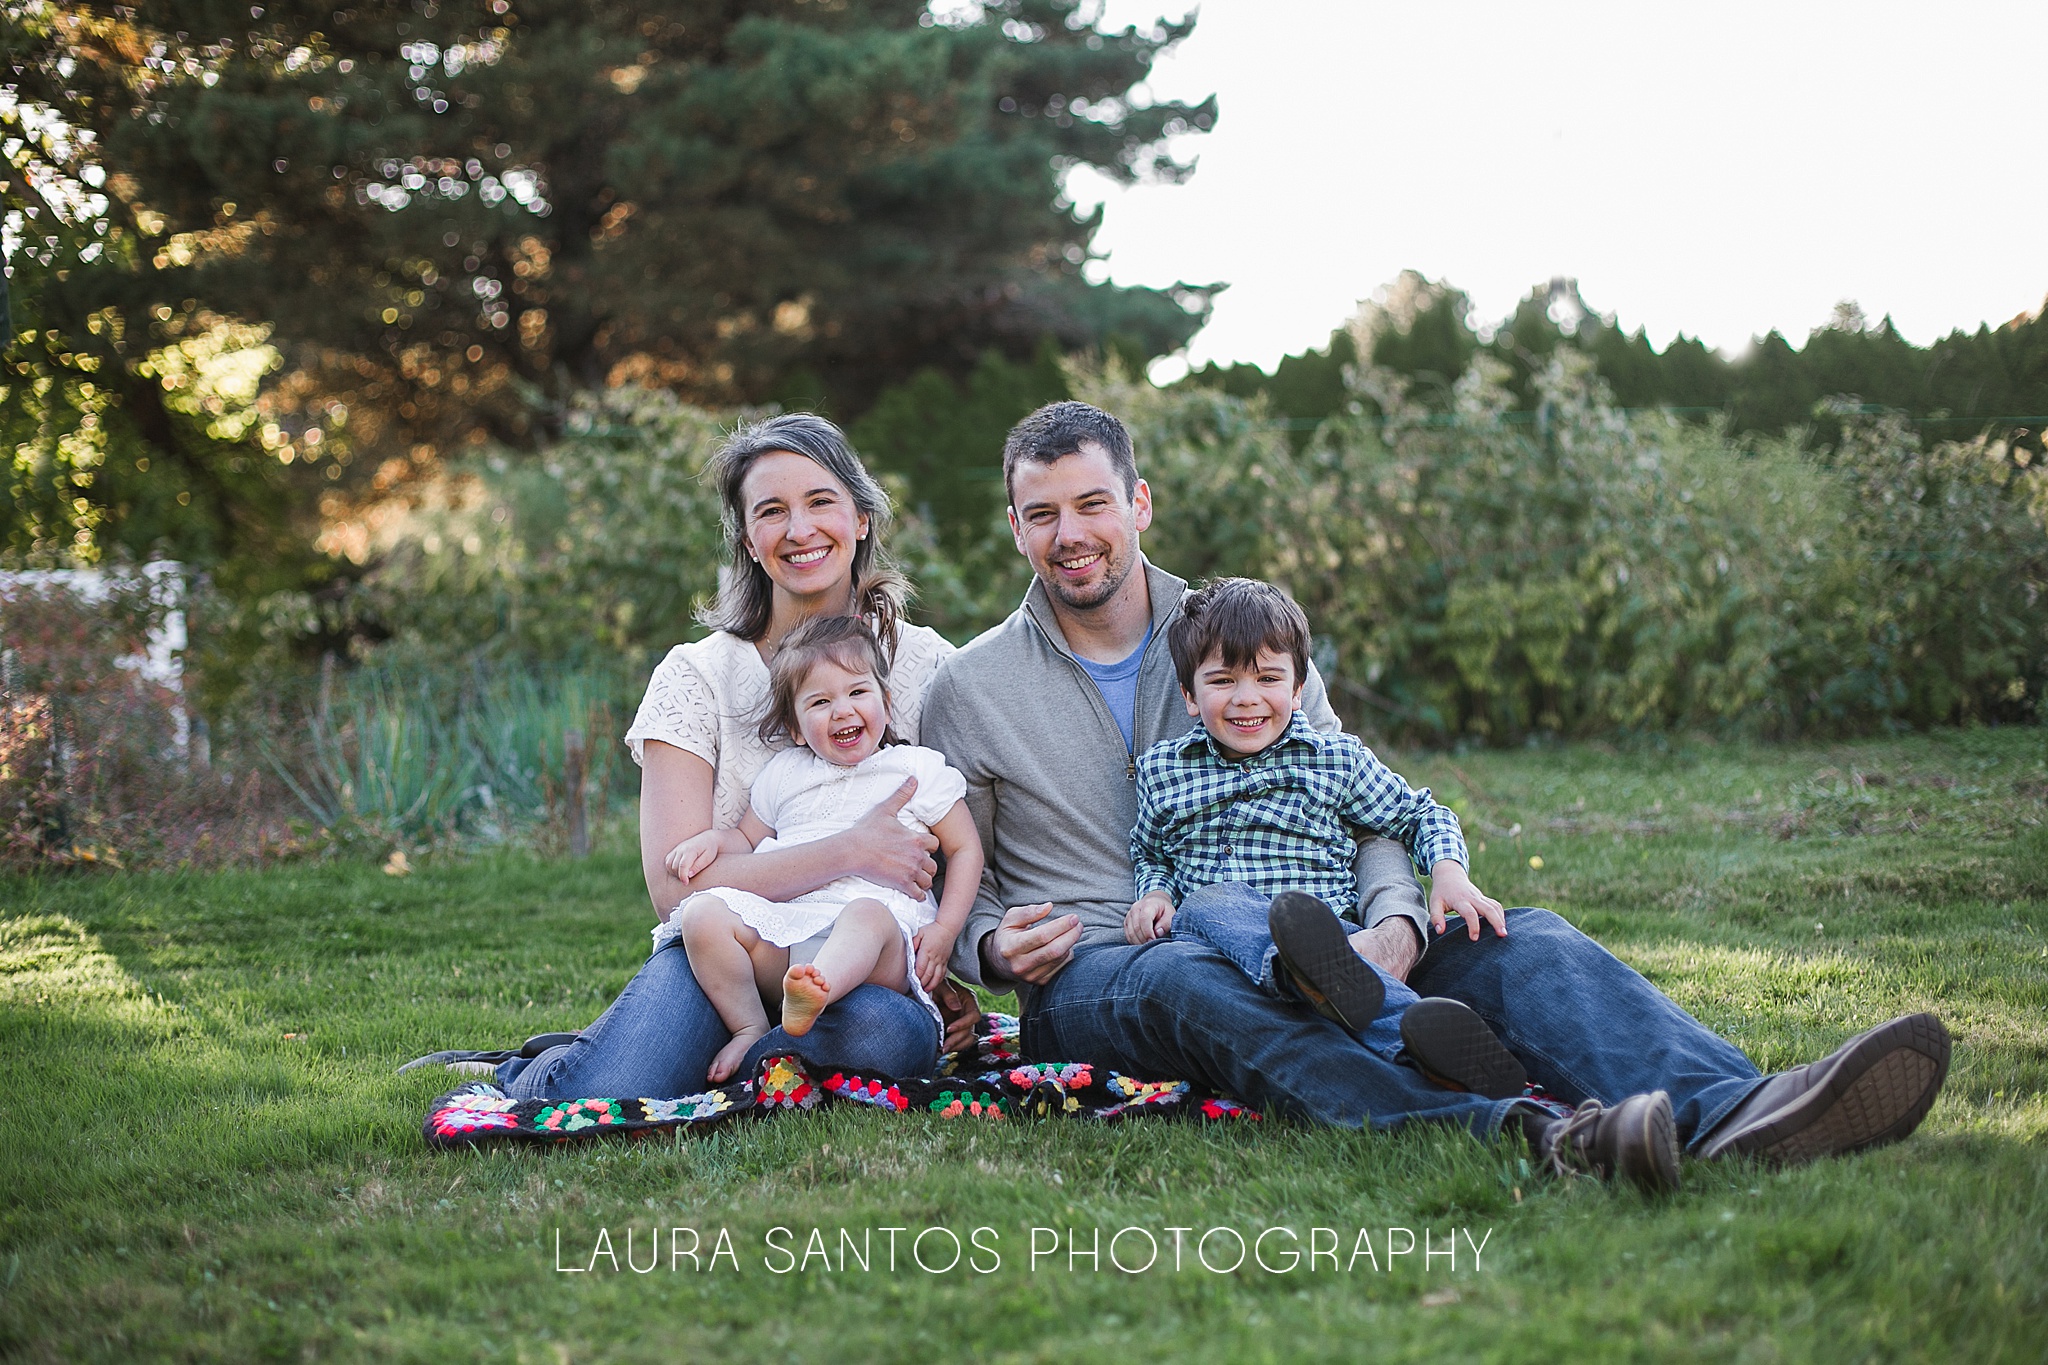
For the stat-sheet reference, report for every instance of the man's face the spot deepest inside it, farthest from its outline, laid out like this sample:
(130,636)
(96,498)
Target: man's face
(1245,709)
(1072,520)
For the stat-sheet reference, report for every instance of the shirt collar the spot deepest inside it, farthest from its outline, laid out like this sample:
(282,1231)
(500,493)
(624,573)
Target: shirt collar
(1165,589)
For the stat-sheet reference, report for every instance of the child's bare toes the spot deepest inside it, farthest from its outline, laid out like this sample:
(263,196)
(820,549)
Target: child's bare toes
(733,1053)
(804,996)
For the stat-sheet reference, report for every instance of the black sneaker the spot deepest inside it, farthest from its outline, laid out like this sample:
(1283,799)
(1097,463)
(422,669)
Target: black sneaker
(1320,961)
(1451,1044)
(1635,1141)
(1871,1090)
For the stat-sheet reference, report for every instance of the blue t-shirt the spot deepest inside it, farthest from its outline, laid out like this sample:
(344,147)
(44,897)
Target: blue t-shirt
(1118,684)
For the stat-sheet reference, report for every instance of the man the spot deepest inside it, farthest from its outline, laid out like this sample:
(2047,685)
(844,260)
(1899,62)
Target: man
(1045,715)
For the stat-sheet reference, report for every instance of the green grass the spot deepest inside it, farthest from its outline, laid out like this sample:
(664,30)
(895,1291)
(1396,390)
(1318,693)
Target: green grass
(204,1153)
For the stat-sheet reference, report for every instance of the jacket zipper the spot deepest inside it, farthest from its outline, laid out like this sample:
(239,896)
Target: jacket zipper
(1101,706)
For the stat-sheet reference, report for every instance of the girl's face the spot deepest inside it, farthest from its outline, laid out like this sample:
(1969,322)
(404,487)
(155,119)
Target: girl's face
(841,713)
(800,525)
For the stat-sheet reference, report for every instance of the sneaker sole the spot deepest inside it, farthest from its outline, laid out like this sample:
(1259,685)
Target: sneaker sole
(1315,952)
(1451,1044)
(1877,1093)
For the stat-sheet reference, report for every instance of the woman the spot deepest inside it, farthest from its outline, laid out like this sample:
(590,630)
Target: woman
(803,521)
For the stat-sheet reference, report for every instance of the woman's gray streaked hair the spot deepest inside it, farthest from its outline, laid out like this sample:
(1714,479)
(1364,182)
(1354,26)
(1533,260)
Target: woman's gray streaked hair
(746,594)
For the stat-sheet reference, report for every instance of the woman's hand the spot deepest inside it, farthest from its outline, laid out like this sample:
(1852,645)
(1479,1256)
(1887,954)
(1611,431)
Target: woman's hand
(1451,889)
(888,852)
(962,1013)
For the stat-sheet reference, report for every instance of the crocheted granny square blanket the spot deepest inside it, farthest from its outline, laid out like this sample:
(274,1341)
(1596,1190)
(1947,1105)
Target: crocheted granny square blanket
(991,1082)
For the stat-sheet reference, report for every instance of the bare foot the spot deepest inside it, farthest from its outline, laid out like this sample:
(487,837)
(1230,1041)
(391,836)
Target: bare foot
(733,1053)
(805,994)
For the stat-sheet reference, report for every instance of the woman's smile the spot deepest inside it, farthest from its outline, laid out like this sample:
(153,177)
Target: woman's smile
(801,523)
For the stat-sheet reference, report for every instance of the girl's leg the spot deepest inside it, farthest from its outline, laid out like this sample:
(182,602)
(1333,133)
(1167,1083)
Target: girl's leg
(722,957)
(866,946)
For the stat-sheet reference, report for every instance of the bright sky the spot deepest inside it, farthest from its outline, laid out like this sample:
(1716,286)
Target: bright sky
(1720,169)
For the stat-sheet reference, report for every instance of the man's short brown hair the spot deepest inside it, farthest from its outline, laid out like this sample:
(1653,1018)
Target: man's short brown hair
(1240,617)
(1058,429)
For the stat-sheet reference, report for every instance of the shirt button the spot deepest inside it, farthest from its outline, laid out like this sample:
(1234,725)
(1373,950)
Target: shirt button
(1226,850)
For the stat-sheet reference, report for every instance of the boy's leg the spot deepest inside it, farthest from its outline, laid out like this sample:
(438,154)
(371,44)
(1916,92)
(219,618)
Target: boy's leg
(866,946)
(722,953)
(1233,919)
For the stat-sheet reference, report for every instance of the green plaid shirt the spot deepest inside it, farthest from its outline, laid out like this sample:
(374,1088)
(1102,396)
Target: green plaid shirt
(1285,819)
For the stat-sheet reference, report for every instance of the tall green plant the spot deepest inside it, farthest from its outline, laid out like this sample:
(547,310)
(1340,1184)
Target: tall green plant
(413,754)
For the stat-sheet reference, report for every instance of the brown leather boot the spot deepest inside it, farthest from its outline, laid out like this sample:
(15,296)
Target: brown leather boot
(1871,1090)
(1635,1141)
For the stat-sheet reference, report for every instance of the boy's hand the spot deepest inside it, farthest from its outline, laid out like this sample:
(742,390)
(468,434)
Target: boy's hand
(1149,917)
(693,855)
(934,948)
(1451,889)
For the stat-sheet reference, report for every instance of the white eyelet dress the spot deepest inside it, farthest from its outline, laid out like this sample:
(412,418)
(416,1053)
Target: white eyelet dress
(707,697)
(803,798)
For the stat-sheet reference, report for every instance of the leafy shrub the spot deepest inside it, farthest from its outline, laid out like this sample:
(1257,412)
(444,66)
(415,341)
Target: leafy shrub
(1472,573)
(1474,576)
(96,763)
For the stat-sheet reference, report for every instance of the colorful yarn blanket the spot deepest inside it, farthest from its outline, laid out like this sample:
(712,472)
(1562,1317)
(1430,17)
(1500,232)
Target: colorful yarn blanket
(992,1082)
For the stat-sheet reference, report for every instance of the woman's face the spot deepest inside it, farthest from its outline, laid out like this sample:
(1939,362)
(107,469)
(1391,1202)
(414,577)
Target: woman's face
(800,524)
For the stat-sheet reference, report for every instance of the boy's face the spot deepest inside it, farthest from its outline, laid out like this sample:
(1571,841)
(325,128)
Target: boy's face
(1246,709)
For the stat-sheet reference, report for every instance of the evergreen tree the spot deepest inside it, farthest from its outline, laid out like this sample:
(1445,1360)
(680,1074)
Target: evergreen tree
(452,213)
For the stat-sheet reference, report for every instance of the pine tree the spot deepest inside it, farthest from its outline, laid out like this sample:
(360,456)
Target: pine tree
(451,213)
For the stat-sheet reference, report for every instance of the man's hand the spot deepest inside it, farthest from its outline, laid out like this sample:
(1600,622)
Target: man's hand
(1451,889)
(934,948)
(888,852)
(693,855)
(1030,946)
(1149,917)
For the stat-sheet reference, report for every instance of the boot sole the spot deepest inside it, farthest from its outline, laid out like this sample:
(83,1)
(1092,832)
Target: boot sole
(1314,951)
(1651,1161)
(1877,1092)
(1451,1044)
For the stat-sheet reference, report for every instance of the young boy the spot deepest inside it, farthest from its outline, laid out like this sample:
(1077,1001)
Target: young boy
(1246,834)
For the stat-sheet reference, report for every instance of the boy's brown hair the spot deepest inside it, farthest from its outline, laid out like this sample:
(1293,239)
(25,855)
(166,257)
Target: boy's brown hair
(1240,617)
(847,641)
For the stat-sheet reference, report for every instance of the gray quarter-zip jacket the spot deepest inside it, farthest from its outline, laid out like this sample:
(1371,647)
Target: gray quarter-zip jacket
(1052,786)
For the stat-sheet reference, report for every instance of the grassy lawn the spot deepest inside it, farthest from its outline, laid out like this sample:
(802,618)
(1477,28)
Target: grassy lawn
(204,1153)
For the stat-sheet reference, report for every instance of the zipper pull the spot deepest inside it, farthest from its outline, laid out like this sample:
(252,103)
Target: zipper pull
(1130,767)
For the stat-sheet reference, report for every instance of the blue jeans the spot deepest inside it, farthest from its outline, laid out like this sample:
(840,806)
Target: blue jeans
(1583,1023)
(658,1038)
(1231,918)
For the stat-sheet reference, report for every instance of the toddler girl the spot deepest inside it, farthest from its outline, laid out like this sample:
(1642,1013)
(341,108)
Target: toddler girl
(828,692)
